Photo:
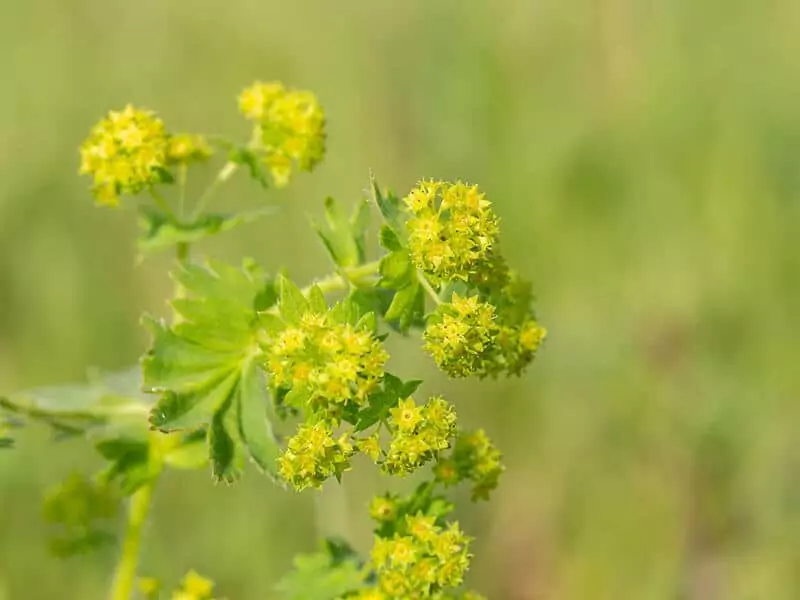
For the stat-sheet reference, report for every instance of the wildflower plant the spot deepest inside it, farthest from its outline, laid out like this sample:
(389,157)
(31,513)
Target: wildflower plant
(254,368)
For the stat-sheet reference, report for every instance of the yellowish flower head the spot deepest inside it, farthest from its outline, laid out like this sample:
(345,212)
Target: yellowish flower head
(429,562)
(194,587)
(313,455)
(188,147)
(420,433)
(289,130)
(474,458)
(336,363)
(461,336)
(125,153)
(451,228)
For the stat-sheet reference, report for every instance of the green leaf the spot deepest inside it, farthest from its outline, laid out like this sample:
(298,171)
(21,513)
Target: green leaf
(389,239)
(316,300)
(81,513)
(391,209)
(159,231)
(344,237)
(293,304)
(6,425)
(111,412)
(396,270)
(380,403)
(247,158)
(205,366)
(325,575)
(408,307)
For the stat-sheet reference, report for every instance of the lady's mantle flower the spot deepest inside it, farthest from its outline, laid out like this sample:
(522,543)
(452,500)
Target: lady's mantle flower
(186,147)
(426,562)
(461,336)
(313,455)
(474,458)
(125,153)
(335,363)
(420,433)
(289,130)
(194,587)
(452,228)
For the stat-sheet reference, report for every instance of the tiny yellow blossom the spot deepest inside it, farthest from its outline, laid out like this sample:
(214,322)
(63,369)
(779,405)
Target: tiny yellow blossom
(125,153)
(451,230)
(186,147)
(289,131)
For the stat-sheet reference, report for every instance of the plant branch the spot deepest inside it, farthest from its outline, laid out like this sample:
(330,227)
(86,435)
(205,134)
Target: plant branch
(426,285)
(225,173)
(348,275)
(163,204)
(125,575)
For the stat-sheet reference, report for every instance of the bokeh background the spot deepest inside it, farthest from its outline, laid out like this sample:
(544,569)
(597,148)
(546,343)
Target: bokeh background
(645,160)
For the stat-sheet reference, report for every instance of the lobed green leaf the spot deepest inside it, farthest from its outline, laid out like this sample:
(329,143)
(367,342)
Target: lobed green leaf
(205,366)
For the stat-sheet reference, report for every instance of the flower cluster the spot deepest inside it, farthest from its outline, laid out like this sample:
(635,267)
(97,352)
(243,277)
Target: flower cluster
(193,587)
(474,458)
(461,336)
(424,561)
(333,363)
(290,127)
(451,229)
(419,434)
(313,455)
(125,153)
(187,147)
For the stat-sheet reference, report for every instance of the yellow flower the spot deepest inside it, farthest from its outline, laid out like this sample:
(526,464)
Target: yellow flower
(313,455)
(383,508)
(406,415)
(125,153)
(194,587)
(185,147)
(451,230)
(289,131)
(370,446)
(421,527)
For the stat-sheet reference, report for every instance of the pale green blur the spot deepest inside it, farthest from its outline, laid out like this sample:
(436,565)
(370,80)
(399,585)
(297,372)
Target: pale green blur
(645,160)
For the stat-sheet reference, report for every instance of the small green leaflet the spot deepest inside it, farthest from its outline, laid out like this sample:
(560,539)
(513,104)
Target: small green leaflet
(159,231)
(206,369)
(81,513)
(380,403)
(407,307)
(6,425)
(344,237)
(391,209)
(325,575)
(111,412)
(247,158)
(408,304)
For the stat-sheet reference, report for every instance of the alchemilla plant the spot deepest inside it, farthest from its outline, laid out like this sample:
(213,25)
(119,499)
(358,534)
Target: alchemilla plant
(253,367)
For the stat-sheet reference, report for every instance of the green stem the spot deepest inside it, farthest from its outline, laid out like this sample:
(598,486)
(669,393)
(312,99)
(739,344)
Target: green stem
(182,252)
(183,174)
(125,576)
(426,285)
(163,205)
(224,175)
(350,275)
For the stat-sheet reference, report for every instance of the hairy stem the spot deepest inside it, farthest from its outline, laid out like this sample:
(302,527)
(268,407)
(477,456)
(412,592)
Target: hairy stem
(162,203)
(426,285)
(183,174)
(125,575)
(225,173)
(351,275)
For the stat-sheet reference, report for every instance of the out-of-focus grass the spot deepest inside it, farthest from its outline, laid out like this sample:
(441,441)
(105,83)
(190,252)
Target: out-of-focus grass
(645,159)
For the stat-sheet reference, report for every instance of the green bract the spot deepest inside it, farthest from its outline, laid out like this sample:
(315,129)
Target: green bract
(246,354)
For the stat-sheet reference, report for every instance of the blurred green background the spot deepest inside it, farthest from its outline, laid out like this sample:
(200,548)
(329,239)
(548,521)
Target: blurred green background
(645,160)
